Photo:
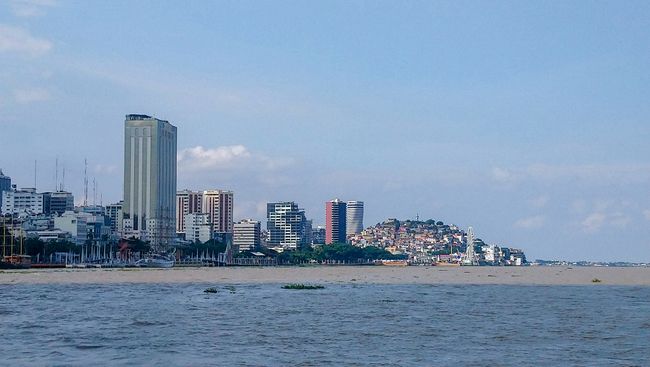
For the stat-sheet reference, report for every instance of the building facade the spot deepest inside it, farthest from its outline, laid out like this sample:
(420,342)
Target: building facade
(219,205)
(198,227)
(335,217)
(354,218)
(5,185)
(286,224)
(113,213)
(187,202)
(58,202)
(149,210)
(247,235)
(22,202)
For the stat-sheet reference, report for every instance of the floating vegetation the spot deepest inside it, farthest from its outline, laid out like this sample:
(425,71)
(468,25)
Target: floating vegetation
(302,286)
(230,288)
(211,290)
(596,280)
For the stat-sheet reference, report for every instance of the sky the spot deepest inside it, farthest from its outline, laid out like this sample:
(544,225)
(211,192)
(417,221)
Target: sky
(529,121)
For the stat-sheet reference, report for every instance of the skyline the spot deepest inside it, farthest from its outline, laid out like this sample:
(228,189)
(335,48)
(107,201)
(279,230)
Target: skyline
(526,121)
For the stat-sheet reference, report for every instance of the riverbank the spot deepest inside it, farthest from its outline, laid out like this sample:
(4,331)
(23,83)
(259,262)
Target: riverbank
(542,275)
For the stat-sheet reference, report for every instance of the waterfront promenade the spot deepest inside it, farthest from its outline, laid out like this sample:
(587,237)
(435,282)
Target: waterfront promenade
(542,275)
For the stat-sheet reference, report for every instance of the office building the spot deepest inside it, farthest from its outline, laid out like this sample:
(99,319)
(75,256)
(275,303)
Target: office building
(247,235)
(75,224)
(198,227)
(149,209)
(112,213)
(58,202)
(22,202)
(335,217)
(354,217)
(5,185)
(286,225)
(187,202)
(219,205)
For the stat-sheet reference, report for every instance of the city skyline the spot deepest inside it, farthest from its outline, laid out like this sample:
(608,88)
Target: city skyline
(526,121)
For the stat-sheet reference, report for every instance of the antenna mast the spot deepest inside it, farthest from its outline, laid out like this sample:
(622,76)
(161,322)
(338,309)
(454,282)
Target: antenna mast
(85,182)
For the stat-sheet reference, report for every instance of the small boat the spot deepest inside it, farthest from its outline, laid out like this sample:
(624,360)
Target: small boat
(156,261)
(16,262)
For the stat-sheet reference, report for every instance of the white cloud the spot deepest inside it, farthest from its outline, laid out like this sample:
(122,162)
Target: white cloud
(105,169)
(592,173)
(230,158)
(25,96)
(506,176)
(596,220)
(539,202)
(30,8)
(593,222)
(200,158)
(534,222)
(18,40)
(646,214)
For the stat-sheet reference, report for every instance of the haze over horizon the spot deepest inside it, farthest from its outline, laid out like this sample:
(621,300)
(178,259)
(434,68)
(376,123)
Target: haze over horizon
(527,121)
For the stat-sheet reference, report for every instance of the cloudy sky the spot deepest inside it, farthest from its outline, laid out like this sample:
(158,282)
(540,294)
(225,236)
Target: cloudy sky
(529,121)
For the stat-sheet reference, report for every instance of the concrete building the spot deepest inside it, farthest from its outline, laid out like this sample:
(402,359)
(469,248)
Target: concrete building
(112,213)
(149,210)
(5,185)
(219,205)
(335,216)
(354,218)
(22,202)
(198,227)
(187,202)
(286,225)
(318,235)
(75,224)
(58,202)
(247,235)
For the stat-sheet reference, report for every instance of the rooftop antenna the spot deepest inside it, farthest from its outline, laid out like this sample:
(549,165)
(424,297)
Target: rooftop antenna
(85,182)
(63,179)
(34,173)
(56,175)
(94,192)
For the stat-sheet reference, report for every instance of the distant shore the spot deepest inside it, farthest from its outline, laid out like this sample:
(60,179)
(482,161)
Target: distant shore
(533,275)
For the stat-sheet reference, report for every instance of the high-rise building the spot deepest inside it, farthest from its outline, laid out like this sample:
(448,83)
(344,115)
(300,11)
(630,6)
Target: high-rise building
(219,205)
(22,202)
(5,185)
(335,221)
(187,202)
(246,236)
(149,210)
(354,218)
(198,227)
(57,202)
(112,214)
(286,225)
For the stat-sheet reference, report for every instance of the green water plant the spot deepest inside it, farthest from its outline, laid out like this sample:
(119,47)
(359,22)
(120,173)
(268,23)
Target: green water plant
(298,286)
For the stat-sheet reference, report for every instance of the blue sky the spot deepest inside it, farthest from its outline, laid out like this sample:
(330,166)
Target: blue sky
(527,120)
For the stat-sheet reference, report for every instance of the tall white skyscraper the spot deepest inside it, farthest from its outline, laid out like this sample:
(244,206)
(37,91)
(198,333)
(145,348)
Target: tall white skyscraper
(354,217)
(149,210)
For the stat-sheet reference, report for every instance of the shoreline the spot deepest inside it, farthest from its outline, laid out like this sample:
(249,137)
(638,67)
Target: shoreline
(530,275)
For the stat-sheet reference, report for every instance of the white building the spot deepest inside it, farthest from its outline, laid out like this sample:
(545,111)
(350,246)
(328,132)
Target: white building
(218,204)
(187,202)
(354,218)
(75,224)
(247,235)
(149,210)
(22,202)
(198,227)
(286,225)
